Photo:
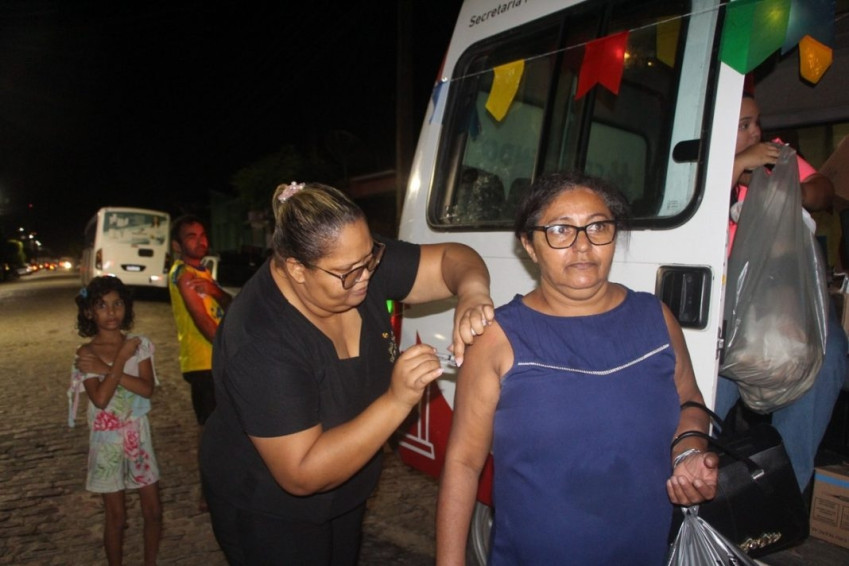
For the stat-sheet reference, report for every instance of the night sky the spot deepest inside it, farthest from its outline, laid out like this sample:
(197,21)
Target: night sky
(154,104)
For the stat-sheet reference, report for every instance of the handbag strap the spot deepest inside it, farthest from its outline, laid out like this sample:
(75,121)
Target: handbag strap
(715,419)
(755,470)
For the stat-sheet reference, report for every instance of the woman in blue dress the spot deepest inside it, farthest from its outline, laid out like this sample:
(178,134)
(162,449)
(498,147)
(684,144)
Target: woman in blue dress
(576,390)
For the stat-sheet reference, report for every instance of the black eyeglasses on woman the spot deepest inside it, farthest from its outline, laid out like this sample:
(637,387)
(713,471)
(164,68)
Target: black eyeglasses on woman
(560,236)
(351,278)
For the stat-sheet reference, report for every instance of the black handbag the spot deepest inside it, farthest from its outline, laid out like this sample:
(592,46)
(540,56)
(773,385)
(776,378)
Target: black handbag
(758,505)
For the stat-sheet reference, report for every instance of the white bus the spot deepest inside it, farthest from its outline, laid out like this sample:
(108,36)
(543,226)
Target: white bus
(130,243)
(665,136)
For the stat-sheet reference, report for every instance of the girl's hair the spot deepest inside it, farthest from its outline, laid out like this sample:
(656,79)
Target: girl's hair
(89,296)
(547,187)
(308,218)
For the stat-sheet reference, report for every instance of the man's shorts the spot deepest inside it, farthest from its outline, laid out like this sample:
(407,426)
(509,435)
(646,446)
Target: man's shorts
(203,393)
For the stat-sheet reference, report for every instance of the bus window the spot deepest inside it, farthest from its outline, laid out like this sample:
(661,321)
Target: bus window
(135,228)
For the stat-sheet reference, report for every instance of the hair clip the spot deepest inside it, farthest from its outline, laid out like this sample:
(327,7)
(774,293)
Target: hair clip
(84,293)
(290,190)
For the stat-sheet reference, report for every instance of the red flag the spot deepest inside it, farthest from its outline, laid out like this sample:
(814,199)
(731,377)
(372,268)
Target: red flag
(604,62)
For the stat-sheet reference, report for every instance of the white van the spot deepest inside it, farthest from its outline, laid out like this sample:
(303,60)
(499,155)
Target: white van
(666,139)
(129,243)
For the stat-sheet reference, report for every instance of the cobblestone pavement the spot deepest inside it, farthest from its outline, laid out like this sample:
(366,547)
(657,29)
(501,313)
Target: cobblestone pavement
(47,517)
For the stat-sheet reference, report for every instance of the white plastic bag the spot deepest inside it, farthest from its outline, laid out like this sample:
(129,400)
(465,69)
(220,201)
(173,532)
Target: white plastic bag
(776,296)
(698,544)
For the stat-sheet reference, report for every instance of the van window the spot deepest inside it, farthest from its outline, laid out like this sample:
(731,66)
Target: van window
(484,165)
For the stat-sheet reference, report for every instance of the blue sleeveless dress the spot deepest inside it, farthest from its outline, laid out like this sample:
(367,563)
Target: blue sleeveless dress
(581,437)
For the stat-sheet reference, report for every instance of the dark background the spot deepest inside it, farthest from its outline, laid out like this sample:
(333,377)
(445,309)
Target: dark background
(155,104)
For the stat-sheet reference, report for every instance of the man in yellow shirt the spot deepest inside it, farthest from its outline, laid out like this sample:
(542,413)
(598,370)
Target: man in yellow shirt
(198,303)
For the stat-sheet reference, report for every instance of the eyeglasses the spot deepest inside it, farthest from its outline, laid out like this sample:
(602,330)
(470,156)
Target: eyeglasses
(353,277)
(560,236)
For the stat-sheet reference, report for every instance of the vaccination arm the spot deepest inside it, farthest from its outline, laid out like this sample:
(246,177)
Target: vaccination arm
(694,479)
(456,270)
(469,443)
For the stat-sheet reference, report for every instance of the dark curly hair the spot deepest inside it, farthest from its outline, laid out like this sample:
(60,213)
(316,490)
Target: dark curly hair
(90,295)
(545,189)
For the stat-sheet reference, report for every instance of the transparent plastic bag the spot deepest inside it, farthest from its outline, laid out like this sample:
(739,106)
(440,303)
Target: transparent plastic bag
(776,295)
(699,544)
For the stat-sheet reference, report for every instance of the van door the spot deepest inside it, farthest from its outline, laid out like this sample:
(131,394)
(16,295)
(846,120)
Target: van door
(664,139)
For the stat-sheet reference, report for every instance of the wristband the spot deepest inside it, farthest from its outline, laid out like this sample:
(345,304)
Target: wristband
(683,455)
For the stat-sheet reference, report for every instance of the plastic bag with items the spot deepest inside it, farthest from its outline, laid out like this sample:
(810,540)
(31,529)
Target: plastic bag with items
(698,544)
(776,293)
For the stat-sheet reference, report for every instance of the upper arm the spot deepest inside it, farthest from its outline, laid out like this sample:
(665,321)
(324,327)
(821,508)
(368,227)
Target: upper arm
(429,284)
(195,306)
(448,269)
(685,378)
(477,394)
(817,192)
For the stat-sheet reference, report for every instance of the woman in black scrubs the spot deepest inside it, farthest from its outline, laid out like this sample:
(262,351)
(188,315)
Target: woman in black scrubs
(309,380)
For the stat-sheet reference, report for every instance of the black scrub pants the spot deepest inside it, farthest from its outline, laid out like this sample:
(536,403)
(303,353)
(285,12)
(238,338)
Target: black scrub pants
(253,539)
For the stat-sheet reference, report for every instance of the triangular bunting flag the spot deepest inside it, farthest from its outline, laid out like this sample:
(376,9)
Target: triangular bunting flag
(753,30)
(814,59)
(504,87)
(667,41)
(434,96)
(604,63)
(809,17)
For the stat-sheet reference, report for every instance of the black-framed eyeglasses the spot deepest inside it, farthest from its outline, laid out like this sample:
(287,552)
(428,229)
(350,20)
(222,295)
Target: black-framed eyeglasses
(560,236)
(351,278)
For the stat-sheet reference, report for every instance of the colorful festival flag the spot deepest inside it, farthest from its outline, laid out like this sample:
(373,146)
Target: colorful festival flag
(753,30)
(434,96)
(505,84)
(809,17)
(604,63)
(667,41)
(814,59)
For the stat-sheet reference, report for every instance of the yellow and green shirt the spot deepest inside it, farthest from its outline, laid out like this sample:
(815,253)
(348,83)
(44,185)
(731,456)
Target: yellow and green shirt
(195,349)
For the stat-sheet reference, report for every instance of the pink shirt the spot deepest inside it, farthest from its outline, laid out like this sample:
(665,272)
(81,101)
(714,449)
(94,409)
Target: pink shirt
(805,171)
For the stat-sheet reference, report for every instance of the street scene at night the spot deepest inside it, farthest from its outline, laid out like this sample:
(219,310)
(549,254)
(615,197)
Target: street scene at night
(424,282)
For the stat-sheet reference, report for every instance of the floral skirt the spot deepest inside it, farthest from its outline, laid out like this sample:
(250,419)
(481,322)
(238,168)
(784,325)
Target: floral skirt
(120,455)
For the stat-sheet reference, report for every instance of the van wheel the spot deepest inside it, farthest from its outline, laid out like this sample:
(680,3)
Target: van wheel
(477,546)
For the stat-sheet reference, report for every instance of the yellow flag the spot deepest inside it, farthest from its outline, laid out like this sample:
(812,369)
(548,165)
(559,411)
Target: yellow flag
(814,59)
(667,41)
(504,87)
